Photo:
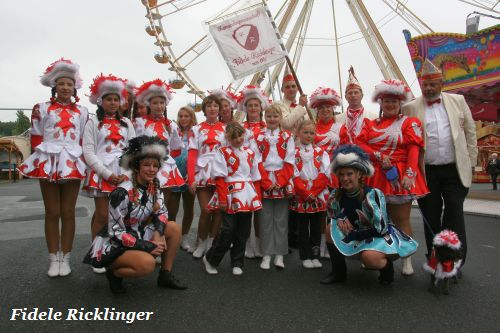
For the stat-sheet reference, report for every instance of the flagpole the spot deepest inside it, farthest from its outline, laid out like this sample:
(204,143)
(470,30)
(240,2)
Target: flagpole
(289,63)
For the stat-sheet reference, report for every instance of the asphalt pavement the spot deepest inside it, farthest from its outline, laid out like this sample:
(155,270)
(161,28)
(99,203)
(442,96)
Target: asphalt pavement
(291,300)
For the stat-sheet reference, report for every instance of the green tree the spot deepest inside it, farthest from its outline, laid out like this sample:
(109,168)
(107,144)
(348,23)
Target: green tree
(6,128)
(22,122)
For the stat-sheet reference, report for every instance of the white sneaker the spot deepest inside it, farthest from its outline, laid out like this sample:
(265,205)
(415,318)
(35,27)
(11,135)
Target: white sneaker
(407,268)
(307,263)
(256,249)
(53,264)
(209,268)
(185,243)
(316,263)
(64,268)
(201,248)
(249,250)
(237,271)
(266,262)
(278,261)
(101,270)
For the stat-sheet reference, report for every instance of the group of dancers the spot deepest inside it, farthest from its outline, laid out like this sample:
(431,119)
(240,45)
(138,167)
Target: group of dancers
(345,183)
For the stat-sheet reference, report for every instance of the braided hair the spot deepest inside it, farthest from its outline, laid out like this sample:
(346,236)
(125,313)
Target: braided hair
(53,96)
(100,115)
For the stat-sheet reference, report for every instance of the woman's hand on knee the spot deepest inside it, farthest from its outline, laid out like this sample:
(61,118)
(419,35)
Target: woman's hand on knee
(160,247)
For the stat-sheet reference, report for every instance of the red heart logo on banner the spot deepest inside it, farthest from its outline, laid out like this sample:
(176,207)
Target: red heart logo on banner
(247,36)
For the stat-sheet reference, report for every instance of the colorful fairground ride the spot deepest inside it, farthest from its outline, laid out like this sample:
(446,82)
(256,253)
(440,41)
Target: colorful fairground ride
(471,67)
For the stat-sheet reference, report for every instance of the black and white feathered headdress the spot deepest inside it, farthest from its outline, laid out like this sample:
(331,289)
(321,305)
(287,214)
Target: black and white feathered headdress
(351,156)
(143,147)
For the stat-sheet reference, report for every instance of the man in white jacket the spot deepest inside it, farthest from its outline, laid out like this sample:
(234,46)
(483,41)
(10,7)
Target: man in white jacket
(450,154)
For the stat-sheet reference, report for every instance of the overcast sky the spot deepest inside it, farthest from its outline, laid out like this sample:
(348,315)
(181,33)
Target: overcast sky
(108,36)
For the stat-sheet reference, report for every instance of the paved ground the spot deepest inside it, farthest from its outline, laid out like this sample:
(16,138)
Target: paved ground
(289,300)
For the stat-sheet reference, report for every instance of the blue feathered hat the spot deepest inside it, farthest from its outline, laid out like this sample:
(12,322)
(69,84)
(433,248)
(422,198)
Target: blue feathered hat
(351,156)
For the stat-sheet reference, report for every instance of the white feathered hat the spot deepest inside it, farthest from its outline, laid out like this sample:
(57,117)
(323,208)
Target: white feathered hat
(447,238)
(61,68)
(250,92)
(324,95)
(105,85)
(351,156)
(142,147)
(391,88)
(224,94)
(155,88)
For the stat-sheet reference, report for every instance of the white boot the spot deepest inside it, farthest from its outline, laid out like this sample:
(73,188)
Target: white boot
(184,243)
(266,262)
(201,248)
(322,247)
(53,264)
(407,268)
(210,241)
(249,249)
(208,267)
(64,268)
(278,261)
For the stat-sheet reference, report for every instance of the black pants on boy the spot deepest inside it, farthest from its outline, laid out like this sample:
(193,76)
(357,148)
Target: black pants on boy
(235,229)
(309,234)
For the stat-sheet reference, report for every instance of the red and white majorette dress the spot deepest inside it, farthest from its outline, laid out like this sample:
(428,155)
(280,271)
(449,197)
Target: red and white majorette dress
(235,170)
(355,121)
(401,138)
(56,142)
(167,130)
(328,138)
(256,127)
(310,179)
(277,150)
(103,144)
(203,141)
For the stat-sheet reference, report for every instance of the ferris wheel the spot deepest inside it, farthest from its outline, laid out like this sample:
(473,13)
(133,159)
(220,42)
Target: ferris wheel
(184,46)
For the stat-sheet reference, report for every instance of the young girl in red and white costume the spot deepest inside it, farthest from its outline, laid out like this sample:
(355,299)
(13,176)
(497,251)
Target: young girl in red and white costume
(252,101)
(311,193)
(236,174)
(156,95)
(324,101)
(204,140)
(105,137)
(228,102)
(277,149)
(56,136)
(394,143)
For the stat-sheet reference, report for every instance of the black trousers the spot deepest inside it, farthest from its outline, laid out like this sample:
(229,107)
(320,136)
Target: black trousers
(443,207)
(292,229)
(494,179)
(235,229)
(309,234)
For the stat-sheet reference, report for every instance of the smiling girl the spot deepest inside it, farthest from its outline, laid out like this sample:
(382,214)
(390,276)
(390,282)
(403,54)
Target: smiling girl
(105,137)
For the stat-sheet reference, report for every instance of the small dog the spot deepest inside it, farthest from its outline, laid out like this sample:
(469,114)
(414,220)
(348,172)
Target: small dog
(445,261)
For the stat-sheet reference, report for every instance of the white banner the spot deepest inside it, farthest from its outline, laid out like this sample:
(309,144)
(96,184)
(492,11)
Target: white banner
(248,42)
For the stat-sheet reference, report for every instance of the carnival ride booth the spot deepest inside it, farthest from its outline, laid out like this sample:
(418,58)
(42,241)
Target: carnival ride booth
(471,67)
(13,150)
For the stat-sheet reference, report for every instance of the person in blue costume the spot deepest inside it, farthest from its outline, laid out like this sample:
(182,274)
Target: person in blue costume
(358,225)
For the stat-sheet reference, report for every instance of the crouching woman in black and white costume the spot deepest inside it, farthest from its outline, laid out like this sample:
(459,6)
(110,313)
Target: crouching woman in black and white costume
(138,229)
